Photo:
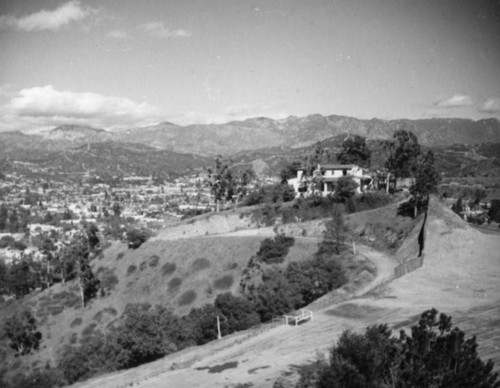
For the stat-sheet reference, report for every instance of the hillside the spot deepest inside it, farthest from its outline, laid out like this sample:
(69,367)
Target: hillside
(184,266)
(124,158)
(468,290)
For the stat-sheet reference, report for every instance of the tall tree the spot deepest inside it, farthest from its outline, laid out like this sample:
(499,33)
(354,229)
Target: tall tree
(334,233)
(3,217)
(427,179)
(403,155)
(222,181)
(355,151)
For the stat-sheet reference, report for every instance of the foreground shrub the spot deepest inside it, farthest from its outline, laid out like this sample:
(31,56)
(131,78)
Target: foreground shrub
(433,355)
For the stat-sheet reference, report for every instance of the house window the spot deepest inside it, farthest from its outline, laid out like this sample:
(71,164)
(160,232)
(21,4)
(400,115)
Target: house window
(344,172)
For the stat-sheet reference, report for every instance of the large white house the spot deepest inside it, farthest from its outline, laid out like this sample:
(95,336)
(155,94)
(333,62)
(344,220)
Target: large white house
(325,176)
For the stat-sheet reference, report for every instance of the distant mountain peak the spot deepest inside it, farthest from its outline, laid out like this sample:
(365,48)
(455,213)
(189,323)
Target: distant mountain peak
(76,128)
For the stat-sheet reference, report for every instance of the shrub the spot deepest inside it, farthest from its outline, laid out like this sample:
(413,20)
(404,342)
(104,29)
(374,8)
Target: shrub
(66,298)
(136,237)
(143,265)
(187,298)
(111,311)
(239,313)
(89,330)
(273,251)
(153,260)
(131,269)
(174,284)
(97,316)
(202,322)
(56,310)
(224,282)
(314,278)
(120,256)
(276,193)
(73,339)
(168,269)
(200,264)
(76,322)
(22,331)
(108,279)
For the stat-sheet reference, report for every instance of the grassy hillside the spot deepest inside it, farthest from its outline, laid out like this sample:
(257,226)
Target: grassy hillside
(179,274)
(185,266)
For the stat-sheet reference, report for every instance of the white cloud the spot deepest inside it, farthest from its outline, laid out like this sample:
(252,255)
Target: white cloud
(45,106)
(117,34)
(491,105)
(158,30)
(457,100)
(54,20)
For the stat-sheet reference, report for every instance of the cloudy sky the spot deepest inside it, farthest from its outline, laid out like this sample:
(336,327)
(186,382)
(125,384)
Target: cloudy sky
(122,63)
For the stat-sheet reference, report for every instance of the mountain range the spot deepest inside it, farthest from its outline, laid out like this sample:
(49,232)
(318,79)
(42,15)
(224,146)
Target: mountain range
(267,142)
(261,132)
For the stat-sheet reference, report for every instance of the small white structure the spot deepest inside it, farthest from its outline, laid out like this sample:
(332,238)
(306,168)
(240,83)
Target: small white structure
(325,176)
(304,315)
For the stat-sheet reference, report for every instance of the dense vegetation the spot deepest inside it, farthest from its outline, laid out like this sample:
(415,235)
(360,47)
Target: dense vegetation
(433,355)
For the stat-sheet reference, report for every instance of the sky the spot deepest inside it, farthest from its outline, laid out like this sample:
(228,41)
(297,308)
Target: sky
(117,64)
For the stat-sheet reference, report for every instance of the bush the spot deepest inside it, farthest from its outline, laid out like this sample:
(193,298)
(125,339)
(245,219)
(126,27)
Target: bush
(136,237)
(108,279)
(314,278)
(89,330)
(203,323)
(174,284)
(168,269)
(76,322)
(187,298)
(201,264)
(239,313)
(153,260)
(273,251)
(120,256)
(131,269)
(22,332)
(224,282)
(269,194)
